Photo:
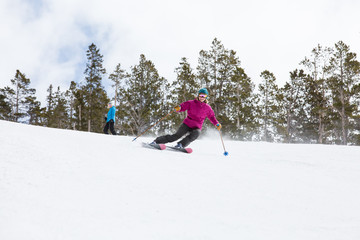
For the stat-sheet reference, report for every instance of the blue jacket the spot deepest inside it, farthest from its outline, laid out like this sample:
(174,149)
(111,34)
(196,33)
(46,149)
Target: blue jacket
(111,114)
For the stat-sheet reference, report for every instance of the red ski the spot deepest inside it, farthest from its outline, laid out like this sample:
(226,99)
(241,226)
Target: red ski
(184,150)
(154,146)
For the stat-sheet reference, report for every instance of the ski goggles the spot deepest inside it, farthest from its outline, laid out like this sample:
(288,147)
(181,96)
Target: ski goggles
(203,95)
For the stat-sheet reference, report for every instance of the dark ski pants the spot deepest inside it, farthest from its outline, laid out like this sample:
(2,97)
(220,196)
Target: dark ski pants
(193,133)
(109,124)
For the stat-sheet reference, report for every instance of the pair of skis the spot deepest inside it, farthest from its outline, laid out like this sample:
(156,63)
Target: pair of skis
(163,147)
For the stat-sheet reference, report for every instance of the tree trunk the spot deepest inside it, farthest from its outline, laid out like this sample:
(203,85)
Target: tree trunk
(288,122)
(343,126)
(343,118)
(321,127)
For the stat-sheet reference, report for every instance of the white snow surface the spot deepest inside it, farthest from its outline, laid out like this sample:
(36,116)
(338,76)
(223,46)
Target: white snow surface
(63,184)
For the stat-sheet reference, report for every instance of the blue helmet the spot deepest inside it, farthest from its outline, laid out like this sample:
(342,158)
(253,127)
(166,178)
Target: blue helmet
(204,91)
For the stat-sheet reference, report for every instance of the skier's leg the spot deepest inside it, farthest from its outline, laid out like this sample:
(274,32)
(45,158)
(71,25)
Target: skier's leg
(112,130)
(183,129)
(194,134)
(106,128)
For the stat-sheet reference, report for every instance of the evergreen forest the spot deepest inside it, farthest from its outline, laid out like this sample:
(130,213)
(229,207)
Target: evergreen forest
(318,104)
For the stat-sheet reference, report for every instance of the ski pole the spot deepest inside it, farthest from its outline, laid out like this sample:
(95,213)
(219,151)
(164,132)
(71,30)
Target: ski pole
(153,125)
(225,152)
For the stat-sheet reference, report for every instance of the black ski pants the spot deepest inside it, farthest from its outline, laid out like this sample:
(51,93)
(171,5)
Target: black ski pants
(109,124)
(193,134)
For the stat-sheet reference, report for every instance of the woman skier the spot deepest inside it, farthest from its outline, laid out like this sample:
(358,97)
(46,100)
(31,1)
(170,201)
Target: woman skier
(197,110)
(110,119)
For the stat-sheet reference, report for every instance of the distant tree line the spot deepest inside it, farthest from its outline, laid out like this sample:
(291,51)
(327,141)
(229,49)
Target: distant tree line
(318,104)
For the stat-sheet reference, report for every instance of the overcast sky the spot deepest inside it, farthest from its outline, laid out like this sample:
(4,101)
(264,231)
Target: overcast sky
(47,39)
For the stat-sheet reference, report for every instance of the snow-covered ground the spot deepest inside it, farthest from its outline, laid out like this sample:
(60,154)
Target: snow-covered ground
(68,185)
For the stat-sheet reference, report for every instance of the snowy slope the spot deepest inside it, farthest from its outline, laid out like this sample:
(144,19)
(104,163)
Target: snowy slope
(63,184)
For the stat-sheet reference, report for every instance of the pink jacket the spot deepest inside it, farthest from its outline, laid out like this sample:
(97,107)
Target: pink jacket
(196,113)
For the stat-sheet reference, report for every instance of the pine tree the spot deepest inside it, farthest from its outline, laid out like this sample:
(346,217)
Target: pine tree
(50,106)
(70,96)
(241,106)
(118,77)
(123,119)
(94,93)
(317,97)
(20,104)
(57,113)
(9,98)
(22,90)
(79,107)
(35,112)
(344,81)
(215,70)
(5,105)
(60,110)
(268,105)
(292,103)
(144,97)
